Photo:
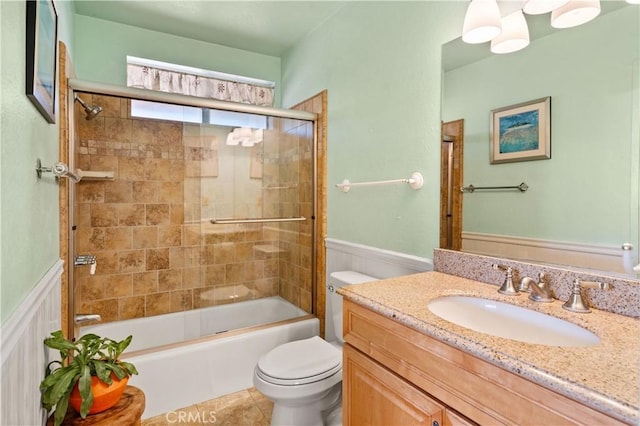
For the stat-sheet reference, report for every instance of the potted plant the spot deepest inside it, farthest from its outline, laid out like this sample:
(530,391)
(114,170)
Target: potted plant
(88,371)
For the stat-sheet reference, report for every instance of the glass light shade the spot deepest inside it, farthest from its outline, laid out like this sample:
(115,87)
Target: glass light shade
(231,140)
(482,21)
(257,136)
(574,13)
(538,7)
(242,132)
(514,35)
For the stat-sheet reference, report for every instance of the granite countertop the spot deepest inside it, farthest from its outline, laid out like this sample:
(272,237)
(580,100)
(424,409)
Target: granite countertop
(604,376)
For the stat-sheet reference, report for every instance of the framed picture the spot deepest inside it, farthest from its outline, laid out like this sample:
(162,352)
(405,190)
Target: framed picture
(42,41)
(521,132)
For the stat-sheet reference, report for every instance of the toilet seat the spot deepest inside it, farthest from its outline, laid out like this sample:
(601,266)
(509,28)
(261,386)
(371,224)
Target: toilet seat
(300,362)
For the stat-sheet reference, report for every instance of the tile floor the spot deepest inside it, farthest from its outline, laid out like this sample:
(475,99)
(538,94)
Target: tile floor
(245,408)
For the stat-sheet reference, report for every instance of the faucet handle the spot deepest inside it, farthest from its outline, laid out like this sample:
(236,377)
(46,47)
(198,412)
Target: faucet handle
(576,302)
(507,287)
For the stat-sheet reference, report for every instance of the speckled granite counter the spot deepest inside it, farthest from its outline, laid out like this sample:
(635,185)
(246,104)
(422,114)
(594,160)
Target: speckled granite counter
(604,376)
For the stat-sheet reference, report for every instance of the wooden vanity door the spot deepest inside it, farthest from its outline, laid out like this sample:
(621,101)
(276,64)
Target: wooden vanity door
(373,395)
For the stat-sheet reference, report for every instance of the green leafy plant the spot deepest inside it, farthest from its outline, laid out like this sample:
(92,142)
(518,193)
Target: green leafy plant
(90,355)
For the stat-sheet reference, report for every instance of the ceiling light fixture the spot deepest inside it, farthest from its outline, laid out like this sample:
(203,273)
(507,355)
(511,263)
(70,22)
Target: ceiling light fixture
(514,35)
(574,13)
(538,7)
(244,136)
(481,22)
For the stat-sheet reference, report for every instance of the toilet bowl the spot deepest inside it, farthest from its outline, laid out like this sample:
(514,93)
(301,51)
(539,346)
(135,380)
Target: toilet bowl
(304,378)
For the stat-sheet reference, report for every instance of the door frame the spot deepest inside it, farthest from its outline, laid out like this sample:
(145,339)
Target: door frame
(454,132)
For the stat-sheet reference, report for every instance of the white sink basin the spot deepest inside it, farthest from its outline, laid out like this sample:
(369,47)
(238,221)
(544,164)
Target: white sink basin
(510,321)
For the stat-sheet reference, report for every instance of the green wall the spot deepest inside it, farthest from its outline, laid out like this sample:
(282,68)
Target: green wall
(101,49)
(380,62)
(584,194)
(28,208)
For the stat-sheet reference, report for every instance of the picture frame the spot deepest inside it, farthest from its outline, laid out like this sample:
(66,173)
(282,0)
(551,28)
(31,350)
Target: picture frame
(41,56)
(521,132)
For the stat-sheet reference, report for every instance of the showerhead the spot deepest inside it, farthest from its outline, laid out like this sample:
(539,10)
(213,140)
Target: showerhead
(90,110)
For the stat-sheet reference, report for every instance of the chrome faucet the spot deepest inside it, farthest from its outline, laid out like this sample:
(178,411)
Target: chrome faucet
(576,303)
(82,318)
(540,291)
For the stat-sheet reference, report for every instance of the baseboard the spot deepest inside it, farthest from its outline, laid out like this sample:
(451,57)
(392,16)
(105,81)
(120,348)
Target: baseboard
(545,251)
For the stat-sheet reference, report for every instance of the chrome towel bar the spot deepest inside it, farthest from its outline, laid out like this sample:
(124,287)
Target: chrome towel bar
(258,220)
(522,187)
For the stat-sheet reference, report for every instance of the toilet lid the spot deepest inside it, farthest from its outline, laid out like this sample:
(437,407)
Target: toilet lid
(299,362)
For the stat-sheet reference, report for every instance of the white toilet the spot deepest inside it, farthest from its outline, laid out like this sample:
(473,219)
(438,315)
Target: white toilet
(304,378)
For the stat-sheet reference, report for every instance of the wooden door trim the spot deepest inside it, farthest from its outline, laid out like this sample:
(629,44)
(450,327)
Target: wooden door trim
(455,129)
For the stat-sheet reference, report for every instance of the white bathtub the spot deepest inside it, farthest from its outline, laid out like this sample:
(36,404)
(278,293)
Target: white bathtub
(185,374)
(151,332)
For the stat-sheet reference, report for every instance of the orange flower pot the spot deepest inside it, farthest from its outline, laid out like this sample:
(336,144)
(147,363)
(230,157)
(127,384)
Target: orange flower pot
(104,396)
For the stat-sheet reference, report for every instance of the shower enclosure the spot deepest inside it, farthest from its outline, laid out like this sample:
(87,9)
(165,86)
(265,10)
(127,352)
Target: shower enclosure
(211,203)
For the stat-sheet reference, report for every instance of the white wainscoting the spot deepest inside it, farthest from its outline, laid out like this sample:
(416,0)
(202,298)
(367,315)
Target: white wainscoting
(380,263)
(24,356)
(376,262)
(604,258)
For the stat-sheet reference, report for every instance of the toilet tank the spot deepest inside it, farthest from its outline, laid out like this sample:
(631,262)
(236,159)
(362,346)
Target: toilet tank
(333,310)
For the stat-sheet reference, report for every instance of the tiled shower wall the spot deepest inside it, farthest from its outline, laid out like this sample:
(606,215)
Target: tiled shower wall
(154,253)
(288,192)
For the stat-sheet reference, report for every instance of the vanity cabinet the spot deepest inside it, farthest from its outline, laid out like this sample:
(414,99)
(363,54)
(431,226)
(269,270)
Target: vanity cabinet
(394,375)
(376,396)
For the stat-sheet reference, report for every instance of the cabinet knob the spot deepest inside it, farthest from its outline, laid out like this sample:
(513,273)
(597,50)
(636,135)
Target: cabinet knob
(435,423)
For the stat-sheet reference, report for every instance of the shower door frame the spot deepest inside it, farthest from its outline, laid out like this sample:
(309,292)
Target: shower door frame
(76,85)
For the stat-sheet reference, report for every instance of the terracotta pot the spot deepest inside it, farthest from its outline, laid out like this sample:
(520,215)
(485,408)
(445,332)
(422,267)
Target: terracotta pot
(104,396)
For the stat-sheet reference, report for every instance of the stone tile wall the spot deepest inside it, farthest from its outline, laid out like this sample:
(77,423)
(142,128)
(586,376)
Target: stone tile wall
(293,160)
(155,255)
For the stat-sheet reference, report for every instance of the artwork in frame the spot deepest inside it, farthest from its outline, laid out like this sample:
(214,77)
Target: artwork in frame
(521,132)
(42,40)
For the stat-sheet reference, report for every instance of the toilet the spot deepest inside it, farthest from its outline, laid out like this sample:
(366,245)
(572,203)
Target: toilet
(304,378)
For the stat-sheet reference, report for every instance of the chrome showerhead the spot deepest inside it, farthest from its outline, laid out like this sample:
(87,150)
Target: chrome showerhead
(90,110)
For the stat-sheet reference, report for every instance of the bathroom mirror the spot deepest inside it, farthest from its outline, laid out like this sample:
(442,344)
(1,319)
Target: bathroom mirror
(585,197)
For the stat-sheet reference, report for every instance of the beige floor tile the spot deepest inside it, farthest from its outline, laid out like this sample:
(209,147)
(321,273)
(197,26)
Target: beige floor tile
(264,404)
(155,421)
(245,408)
(187,416)
(241,416)
(255,394)
(266,407)
(242,398)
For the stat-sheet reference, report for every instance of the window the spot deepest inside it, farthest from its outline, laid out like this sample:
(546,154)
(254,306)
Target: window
(160,111)
(163,76)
